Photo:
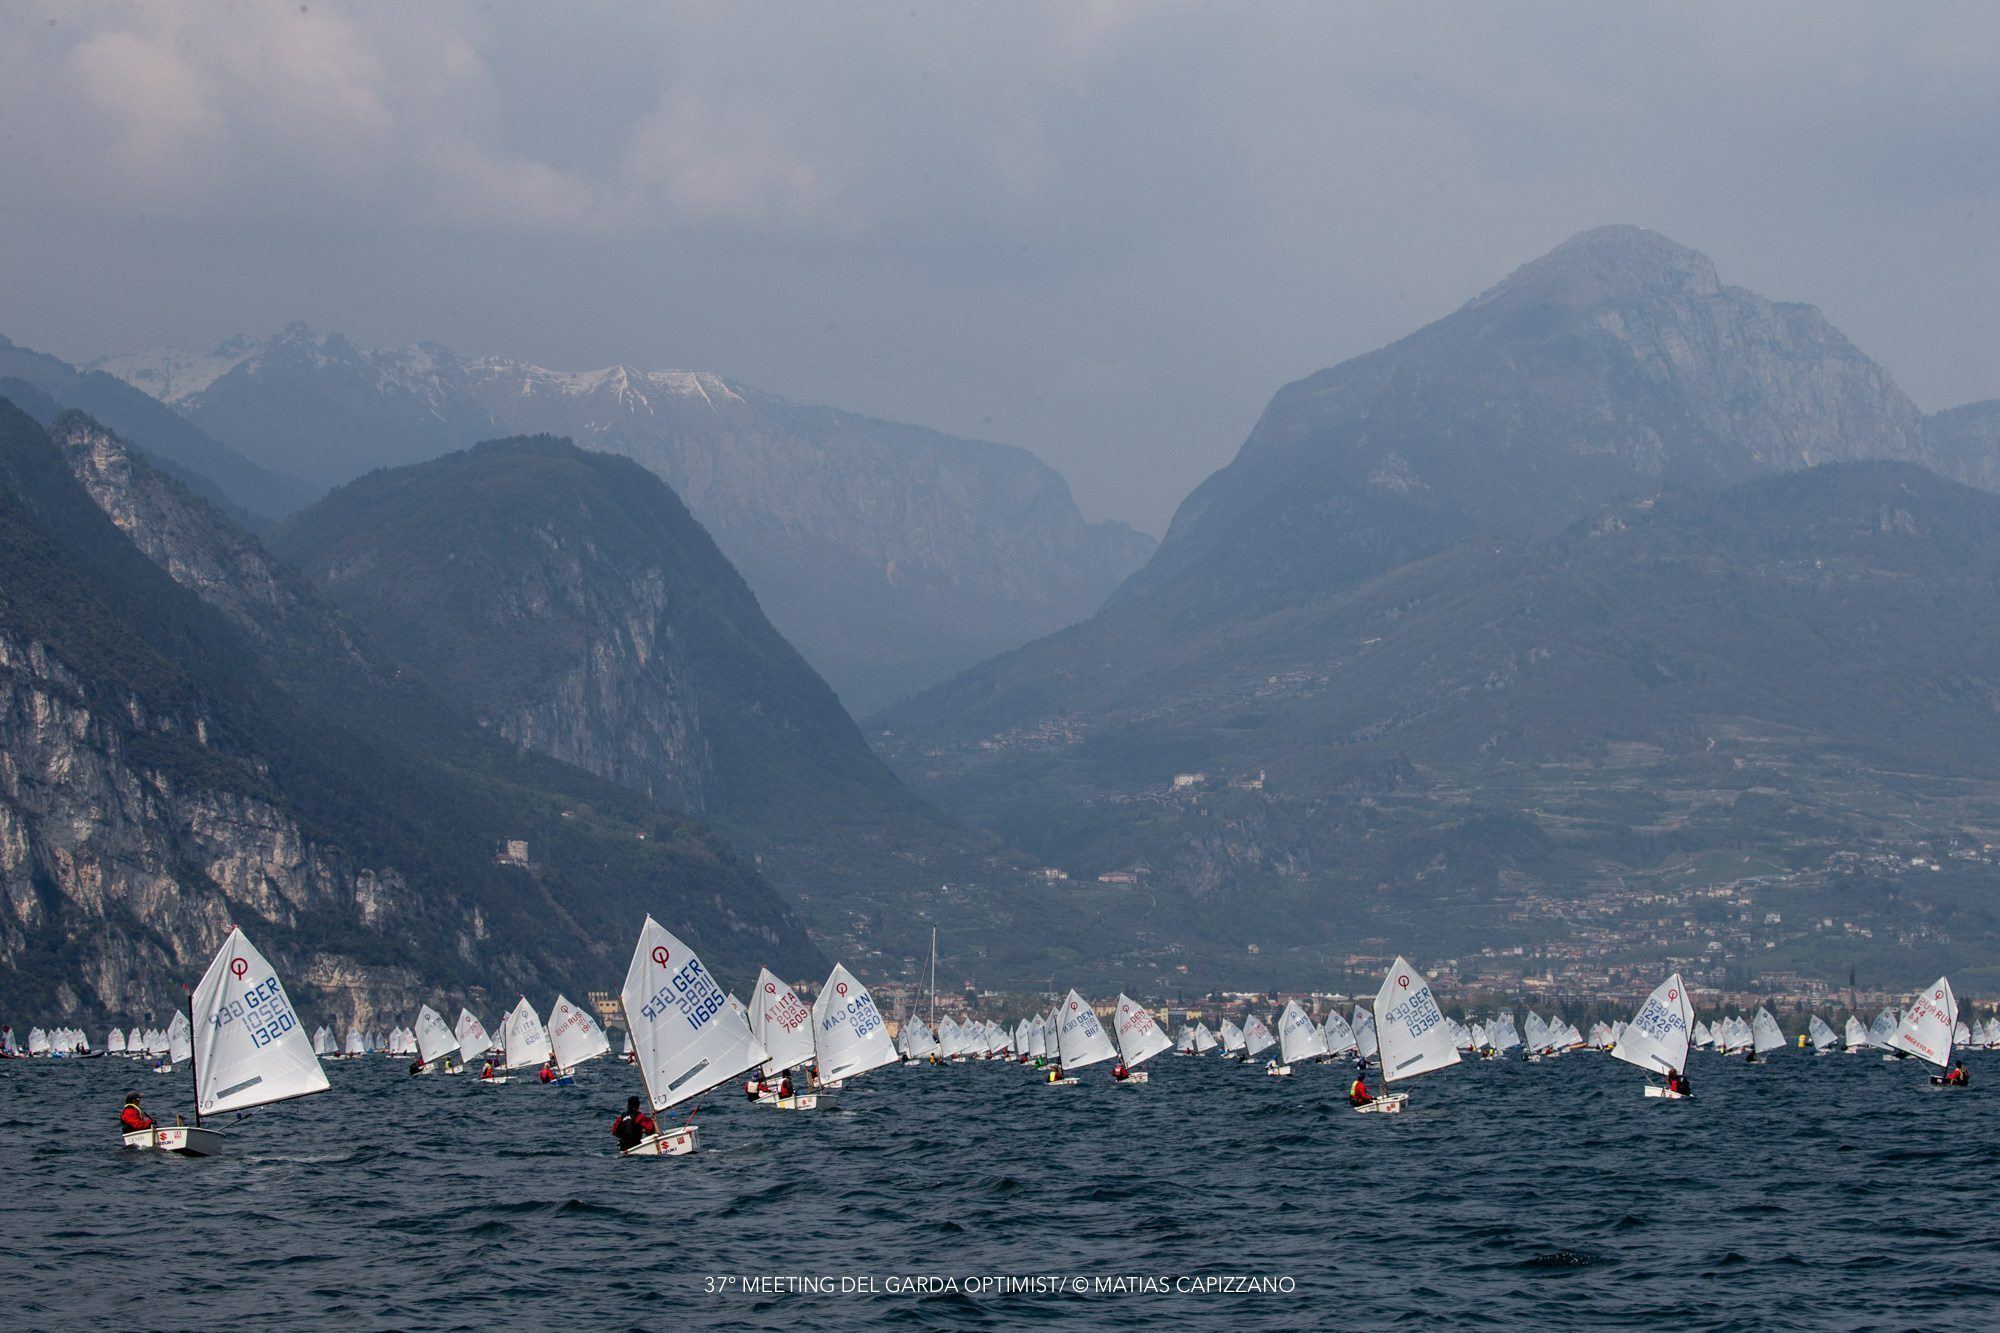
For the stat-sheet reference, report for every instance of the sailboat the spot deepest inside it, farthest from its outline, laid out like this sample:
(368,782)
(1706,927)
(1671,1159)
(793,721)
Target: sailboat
(473,1043)
(1299,1039)
(353,1048)
(849,1035)
(1928,1026)
(1366,1047)
(180,1042)
(249,1049)
(1184,1043)
(915,1041)
(1657,1037)
(1410,1031)
(1204,1040)
(1232,1039)
(1821,1036)
(1338,1034)
(435,1042)
(1080,1040)
(1765,1034)
(573,1038)
(1256,1037)
(783,1025)
(1139,1038)
(524,1042)
(686,1036)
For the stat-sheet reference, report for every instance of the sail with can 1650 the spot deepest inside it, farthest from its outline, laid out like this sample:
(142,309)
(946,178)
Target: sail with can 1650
(1657,1036)
(249,1048)
(685,1037)
(1409,1027)
(848,1030)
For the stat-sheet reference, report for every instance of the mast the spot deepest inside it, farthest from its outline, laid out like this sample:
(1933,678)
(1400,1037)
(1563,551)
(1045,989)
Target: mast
(933,978)
(193,1073)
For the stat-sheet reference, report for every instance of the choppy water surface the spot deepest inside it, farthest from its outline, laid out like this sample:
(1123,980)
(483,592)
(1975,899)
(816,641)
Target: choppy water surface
(1803,1193)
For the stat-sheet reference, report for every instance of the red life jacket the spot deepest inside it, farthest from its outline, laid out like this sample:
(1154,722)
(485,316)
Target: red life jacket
(134,1119)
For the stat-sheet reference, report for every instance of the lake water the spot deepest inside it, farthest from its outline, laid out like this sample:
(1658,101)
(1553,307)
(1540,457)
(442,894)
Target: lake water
(1832,1192)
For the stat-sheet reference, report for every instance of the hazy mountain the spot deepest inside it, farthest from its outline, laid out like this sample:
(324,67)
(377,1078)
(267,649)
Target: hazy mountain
(574,605)
(1406,673)
(891,555)
(1615,365)
(196,737)
(256,493)
(1965,443)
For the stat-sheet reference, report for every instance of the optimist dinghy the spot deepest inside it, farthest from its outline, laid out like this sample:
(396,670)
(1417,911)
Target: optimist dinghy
(1139,1038)
(248,1049)
(1299,1039)
(1081,1040)
(1929,1026)
(1657,1037)
(1410,1033)
(685,1034)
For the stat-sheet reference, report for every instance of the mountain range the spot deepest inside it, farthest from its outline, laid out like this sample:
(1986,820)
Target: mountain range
(192,736)
(1612,527)
(890,555)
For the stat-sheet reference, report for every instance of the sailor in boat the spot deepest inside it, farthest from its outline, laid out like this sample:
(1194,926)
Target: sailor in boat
(548,1071)
(1677,1083)
(1119,1072)
(416,1068)
(632,1128)
(132,1118)
(785,1086)
(1055,1073)
(486,1070)
(1358,1094)
(1956,1077)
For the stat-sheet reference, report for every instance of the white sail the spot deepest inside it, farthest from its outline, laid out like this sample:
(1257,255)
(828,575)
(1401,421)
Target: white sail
(1657,1037)
(784,1024)
(1139,1036)
(1024,1038)
(524,1042)
(1819,1034)
(353,1044)
(434,1040)
(1961,1035)
(574,1035)
(948,1039)
(1080,1038)
(1257,1037)
(1410,1027)
(1338,1034)
(1928,1024)
(1232,1037)
(1765,1033)
(471,1033)
(848,1032)
(114,1042)
(914,1039)
(1882,1029)
(180,1039)
(1505,1035)
(758,1051)
(1299,1038)
(1538,1032)
(1366,1044)
(1204,1040)
(1184,1043)
(685,1037)
(1856,1036)
(249,1049)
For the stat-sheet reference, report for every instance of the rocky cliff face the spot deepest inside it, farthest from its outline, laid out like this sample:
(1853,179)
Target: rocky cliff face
(190,736)
(1615,365)
(1965,442)
(891,555)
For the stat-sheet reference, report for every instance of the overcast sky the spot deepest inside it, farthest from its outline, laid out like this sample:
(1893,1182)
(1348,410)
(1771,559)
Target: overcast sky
(1105,231)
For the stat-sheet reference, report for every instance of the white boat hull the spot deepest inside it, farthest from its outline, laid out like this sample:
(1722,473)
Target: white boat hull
(1655,1090)
(805,1101)
(1390,1103)
(1136,1076)
(495,1080)
(676,1142)
(1064,1082)
(1278,1071)
(188,1139)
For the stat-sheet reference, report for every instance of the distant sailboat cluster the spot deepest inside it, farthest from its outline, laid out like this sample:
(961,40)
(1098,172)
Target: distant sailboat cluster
(686,1035)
